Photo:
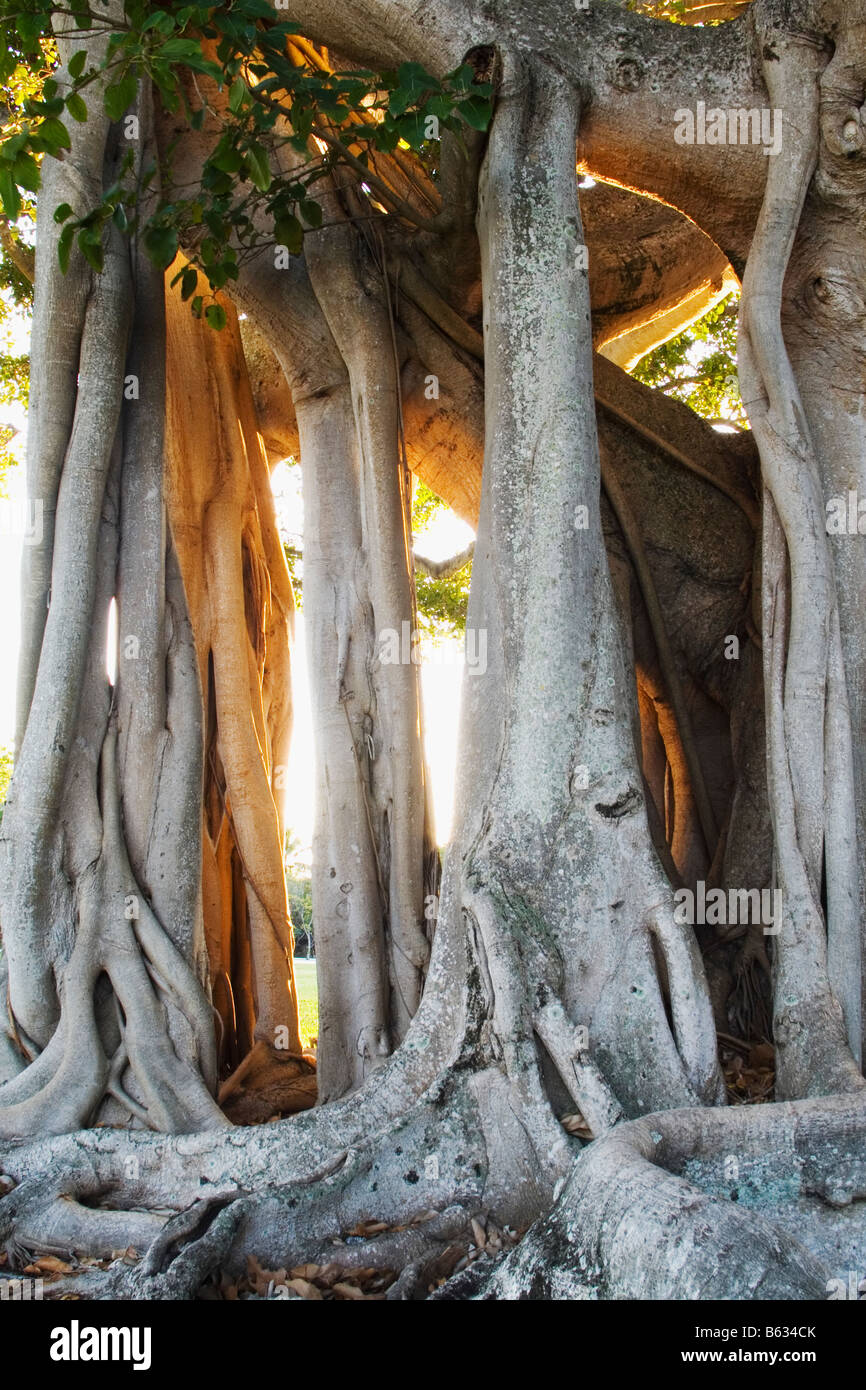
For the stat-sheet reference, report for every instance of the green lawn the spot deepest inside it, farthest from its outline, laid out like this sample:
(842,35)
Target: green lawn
(308,998)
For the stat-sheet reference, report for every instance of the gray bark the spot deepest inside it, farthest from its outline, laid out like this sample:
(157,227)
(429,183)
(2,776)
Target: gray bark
(558,978)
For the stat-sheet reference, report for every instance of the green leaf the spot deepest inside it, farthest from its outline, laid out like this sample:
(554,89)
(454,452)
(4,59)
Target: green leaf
(76,63)
(411,129)
(385,137)
(77,107)
(90,246)
(54,107)
(62,211)
(203,64)
(216,316)
(154,19)
(259,170)
(26,173)
(229,161)
(196,306)
(476,111)
(180,50)
(399,100)
(257,9)
(236,95)
(166,81)
(415,79)
(189,281)
(311,212)
(11,148)
(64,247)
(160,243)
(30,27)
(462,77)
(9,194)
(55,135)
(289,233)
(120,95)
(217,183)
(440,106)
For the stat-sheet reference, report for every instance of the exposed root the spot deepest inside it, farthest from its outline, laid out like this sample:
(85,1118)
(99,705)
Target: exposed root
(268,1082)
(745,1203)
(703,1205)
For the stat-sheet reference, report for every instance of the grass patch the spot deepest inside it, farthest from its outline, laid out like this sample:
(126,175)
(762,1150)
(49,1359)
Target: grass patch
(308,999)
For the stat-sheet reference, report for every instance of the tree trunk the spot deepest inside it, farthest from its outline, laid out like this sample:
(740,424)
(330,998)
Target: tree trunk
(561,997)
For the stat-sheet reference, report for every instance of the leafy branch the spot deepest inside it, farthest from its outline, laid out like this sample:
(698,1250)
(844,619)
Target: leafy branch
(256,84)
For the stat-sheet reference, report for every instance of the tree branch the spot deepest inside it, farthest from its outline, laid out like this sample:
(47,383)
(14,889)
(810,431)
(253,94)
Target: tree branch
(23,257)
(444,569)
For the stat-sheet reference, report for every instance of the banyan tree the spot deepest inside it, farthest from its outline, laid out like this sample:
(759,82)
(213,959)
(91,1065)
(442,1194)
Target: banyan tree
(397,240)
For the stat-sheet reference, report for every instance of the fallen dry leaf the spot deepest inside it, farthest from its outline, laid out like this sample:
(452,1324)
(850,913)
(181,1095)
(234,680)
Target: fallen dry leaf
(311,1281)
(576,1124)
(369,1228)
(304,1288)
(49,1264)
(350,1291)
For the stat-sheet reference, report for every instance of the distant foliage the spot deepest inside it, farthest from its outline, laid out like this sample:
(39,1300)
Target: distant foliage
(442,603)
(299,888)
(699,366)
(14,378)
(426,506)
(294,561)
(16,287)
(300,891)
(6,768)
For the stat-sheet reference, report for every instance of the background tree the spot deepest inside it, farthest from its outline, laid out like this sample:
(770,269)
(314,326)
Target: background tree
(508,1076)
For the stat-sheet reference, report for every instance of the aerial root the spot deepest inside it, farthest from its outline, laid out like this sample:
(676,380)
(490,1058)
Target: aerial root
(809,737)
(60,1092)
(580,1075)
